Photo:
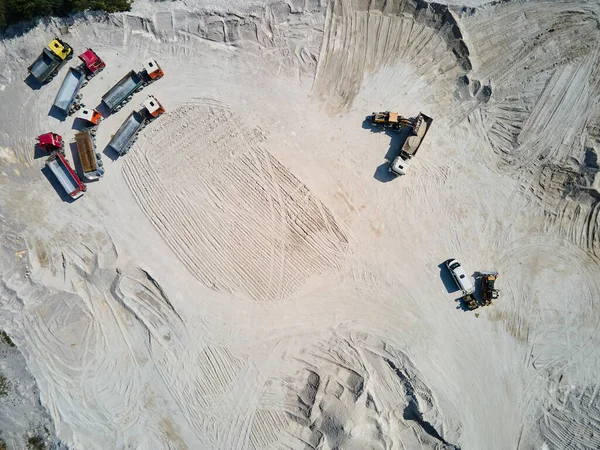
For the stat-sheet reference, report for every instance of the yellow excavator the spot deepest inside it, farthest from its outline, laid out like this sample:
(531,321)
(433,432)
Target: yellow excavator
(388,119)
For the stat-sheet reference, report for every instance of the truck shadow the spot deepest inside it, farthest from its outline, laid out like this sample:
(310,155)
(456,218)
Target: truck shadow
(397,139)
(33,84)
(110,153)
(79,124)
(57,186)
(103,110)
(462,305)
(57,114)
(447,278)
(76,161)
(39,152)
(477,284)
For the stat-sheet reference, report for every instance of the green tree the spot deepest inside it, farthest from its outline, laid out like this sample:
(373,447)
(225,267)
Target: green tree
(14,11)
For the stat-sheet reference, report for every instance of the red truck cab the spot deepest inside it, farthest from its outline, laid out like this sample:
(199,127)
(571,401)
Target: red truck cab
(93,63)
(51,142)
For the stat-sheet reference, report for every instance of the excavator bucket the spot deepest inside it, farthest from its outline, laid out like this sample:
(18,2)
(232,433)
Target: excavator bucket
(470,302)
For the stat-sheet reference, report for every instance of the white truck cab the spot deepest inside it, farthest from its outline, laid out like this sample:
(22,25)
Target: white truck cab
(400,165)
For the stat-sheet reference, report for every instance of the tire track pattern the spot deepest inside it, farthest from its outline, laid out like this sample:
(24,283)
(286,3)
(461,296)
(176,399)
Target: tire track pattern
(361,38)
(545,120)
(235,216)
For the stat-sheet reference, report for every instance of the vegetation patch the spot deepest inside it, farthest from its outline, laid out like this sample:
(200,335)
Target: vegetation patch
(36,443)
(13,11)
(4,386)
(6,338)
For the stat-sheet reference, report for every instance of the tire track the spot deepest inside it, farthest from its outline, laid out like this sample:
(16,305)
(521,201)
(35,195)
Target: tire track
(232,220)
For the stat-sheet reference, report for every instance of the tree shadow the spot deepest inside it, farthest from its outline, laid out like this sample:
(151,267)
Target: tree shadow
(57,186)
(397,139)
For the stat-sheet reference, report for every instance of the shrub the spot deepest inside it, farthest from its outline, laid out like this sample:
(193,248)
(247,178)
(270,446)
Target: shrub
(5,337)
(36,443)
(4,386)
(13,11)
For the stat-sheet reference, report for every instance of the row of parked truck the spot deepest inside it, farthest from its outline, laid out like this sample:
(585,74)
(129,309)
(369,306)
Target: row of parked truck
(68,101)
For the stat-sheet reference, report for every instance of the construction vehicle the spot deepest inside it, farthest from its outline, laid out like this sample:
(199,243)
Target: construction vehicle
(464,283)
(91,116)
(92,63)
(65,175)
(470,302)
(133,82)
(490,293)
(51,142)
(68,98)
(419,128)
(127,134)
(52,58)
(388,119)
(91,162)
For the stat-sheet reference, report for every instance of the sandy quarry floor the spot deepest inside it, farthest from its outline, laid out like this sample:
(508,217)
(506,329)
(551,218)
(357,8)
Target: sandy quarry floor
(249,276)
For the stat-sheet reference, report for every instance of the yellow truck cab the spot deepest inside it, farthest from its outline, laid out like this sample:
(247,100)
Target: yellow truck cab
(53,57)
(60,48)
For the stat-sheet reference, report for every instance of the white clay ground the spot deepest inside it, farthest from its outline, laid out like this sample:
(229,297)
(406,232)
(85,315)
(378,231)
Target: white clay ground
(249,276)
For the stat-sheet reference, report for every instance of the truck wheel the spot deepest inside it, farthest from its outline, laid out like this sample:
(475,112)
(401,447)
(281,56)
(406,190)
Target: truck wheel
(98,156)
(129,98)
(118,108)
(100,163)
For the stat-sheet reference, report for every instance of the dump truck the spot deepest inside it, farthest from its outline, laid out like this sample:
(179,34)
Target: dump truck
(419,128)
(68,98)
(51,142)
(65,175)
(91,162)
(52,58)
(92,64)
(490,293)
(133,82)
(127,134)
(463,282)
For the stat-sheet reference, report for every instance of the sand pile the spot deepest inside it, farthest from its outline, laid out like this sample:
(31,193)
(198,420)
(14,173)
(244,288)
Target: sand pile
(250,276)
